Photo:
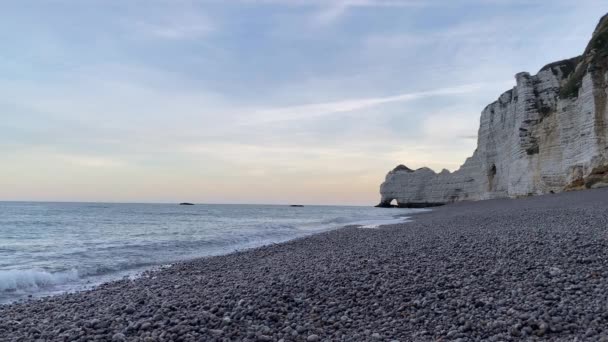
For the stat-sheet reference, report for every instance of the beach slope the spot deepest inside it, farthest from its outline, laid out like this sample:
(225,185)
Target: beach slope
(533,268)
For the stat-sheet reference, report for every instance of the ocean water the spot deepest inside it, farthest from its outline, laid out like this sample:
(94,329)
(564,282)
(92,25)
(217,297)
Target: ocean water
(50,248)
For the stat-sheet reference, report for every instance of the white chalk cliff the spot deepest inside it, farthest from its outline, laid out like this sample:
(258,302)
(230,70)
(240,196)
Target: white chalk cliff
(547,134)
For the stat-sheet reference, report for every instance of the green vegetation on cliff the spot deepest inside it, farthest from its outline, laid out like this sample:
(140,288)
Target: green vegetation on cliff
(595,56)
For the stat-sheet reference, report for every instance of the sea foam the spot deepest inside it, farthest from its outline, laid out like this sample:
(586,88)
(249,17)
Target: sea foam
(16,280)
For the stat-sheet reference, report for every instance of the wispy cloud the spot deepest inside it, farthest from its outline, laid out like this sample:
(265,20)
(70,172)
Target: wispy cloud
(90,161)
(178,31)
(327,108)
(346,3)
(333,10)
(330,10)
(176,27)
(447,127)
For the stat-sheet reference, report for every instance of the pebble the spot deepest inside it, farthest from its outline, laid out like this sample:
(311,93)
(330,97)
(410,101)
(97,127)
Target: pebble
(216,332)
(119,337)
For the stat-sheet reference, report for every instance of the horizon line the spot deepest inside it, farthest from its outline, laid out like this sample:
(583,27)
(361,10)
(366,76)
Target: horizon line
(178,203)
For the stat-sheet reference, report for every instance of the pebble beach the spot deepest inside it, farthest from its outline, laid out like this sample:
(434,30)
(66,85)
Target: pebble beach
(499,270)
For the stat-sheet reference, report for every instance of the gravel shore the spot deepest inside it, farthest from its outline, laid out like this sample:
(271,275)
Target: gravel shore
(499,270)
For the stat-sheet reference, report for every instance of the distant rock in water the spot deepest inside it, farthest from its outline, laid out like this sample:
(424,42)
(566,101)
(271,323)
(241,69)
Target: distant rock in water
(546,135)
(296,205)
(186,203)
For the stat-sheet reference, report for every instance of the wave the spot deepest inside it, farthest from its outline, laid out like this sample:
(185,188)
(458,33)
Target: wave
(377,223)
(337,220)
(15,280)
(363,220)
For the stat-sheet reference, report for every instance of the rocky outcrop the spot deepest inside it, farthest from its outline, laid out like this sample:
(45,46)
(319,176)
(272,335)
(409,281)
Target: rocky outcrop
(547,134)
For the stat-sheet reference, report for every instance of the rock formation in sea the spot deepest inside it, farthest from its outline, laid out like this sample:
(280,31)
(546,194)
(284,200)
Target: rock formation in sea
(547,134)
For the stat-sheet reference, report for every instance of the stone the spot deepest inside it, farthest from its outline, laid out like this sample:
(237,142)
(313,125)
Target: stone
(119,337)
(515,332)
(555,271)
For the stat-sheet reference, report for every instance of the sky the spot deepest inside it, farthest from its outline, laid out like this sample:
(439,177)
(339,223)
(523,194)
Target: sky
(257,101)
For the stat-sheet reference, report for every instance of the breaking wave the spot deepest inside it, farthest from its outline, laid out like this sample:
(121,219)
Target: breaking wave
(15,280)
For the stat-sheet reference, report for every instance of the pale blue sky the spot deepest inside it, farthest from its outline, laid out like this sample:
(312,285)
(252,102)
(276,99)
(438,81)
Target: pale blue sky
(257,101)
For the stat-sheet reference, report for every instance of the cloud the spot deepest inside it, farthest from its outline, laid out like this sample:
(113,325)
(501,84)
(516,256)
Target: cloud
(178,31)
(449,127)
(114,101)
(345,3)
(176,26)
(321,109)
(331,10)
(252,158)
(90,161)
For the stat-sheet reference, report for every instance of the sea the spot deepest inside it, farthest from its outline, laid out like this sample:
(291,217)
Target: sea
(52,248)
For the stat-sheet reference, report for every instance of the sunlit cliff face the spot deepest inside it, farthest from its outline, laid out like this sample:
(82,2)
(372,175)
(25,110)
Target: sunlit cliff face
(256,101)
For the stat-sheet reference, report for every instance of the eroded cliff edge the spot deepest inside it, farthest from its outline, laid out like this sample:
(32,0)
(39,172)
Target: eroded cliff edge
(547,134)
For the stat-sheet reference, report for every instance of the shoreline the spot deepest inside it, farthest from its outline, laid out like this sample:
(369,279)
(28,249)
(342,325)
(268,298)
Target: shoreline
(77,283)
(504,269)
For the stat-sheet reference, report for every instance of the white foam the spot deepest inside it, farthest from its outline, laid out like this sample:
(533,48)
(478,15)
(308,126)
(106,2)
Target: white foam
(15,280)
(372,224)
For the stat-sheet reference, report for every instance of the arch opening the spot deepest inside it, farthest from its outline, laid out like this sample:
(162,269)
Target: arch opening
(491,177)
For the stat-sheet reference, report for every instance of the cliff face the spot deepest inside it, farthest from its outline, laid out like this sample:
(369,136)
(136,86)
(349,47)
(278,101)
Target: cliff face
(547,134)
